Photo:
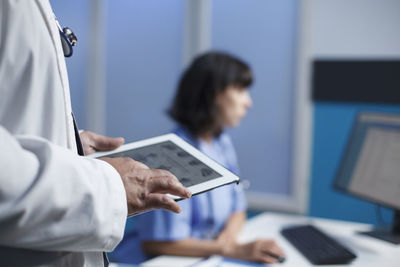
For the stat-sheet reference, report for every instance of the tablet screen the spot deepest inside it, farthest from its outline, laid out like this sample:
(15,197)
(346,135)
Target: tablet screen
(168,156)
(194,169)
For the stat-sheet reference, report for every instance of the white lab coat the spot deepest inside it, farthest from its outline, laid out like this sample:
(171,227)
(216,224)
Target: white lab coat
(56,208)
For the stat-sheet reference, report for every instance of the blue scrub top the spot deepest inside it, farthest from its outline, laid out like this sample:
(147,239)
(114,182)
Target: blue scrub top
(203,216)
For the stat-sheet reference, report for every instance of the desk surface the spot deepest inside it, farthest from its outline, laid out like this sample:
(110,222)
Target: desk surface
(370,251)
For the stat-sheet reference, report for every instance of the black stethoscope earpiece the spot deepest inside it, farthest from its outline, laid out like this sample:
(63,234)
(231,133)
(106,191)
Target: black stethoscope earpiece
(68,40)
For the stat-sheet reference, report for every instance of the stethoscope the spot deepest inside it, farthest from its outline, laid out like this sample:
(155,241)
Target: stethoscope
(68,39)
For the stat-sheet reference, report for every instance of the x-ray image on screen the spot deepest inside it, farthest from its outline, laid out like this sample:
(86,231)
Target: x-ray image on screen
(168,156)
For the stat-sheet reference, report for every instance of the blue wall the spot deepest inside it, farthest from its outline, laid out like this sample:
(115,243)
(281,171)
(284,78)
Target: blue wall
(144,44)
(332,126)
(264,34)
(143,58)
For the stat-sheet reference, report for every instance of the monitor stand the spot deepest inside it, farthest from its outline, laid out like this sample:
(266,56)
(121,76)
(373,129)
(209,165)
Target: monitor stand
(389,234)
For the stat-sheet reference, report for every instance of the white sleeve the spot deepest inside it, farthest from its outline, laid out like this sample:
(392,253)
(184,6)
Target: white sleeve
(53,199)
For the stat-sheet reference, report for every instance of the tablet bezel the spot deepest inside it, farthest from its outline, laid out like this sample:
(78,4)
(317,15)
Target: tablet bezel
(227,177)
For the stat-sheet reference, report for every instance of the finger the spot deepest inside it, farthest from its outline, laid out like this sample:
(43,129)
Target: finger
(161,201)
(164,182)
(271,247)
(88,150)
(276,251)
(265,258)
(102,143)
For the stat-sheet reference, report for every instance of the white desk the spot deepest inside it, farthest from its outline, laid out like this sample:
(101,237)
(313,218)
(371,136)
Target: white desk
(370,251)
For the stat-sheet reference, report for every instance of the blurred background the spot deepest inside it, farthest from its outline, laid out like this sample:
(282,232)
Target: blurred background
(130,55)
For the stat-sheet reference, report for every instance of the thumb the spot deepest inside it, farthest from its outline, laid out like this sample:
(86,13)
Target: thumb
(108,143)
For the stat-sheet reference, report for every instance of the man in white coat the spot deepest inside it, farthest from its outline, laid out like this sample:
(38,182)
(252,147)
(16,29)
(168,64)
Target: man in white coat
(58,208)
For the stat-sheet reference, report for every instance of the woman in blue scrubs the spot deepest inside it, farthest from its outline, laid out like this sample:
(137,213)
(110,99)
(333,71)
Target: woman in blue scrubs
(212,96)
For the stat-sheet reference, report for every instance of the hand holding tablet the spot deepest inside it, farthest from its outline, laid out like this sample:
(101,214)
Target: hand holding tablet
(168,152)
(146,188)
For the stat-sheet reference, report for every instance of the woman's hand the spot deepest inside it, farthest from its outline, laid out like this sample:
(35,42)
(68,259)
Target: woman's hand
(262,250)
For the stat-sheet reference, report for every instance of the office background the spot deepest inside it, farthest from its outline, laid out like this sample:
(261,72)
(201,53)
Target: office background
(143,57)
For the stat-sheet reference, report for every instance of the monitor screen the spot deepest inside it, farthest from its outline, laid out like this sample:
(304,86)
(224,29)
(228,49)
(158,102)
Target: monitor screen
(370,166)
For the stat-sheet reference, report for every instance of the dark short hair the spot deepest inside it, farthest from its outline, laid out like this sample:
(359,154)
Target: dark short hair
(194,104)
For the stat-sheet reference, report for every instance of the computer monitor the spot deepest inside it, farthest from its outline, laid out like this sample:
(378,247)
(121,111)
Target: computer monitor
(370,166)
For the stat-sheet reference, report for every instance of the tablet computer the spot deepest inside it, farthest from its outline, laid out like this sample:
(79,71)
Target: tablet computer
(194,170)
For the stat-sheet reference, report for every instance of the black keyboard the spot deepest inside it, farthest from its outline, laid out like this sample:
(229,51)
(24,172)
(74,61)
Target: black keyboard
(316,246)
